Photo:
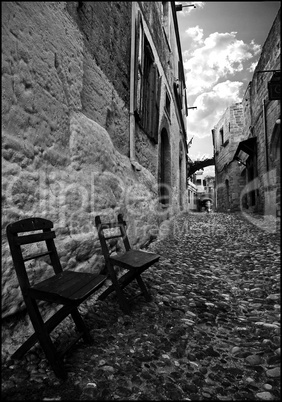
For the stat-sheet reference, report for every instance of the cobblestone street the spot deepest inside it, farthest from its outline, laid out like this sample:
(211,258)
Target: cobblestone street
(212,331)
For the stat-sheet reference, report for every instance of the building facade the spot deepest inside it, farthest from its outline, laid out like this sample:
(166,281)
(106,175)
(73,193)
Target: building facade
(247,140)
(226,135)
(205,189)
(93,122)
(192,194)
(259,150)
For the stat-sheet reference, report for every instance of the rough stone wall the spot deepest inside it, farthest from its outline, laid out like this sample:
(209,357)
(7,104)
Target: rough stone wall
(268,183)
(65,132)
(106,32)
(261,119)
(232,125)
(166,59)
(246,102)
(229,195)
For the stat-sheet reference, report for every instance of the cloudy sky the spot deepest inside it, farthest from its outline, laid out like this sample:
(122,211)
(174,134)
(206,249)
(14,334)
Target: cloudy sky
(221,45)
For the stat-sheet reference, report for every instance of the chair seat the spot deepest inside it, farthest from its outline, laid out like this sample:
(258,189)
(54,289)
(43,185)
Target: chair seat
(67,285)
(134,259)
(68,288)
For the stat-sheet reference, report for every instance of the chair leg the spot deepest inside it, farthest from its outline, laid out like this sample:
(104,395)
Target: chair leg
(129,277)
(50,324)
(120,284)
(116,286)
(142,285)
(80,325)
(123,282)
(44,339)
(106,293)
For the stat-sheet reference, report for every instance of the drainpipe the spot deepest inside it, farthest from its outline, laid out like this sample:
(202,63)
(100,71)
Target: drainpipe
(133,161)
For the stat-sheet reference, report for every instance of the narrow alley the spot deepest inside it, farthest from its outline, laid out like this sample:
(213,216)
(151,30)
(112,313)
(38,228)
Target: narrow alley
(212,331)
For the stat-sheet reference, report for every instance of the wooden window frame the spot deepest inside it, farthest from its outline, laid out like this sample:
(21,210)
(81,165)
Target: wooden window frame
(147,84)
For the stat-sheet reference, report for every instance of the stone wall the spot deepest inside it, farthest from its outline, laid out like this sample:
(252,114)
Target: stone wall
(265,114)
(229,182)
(259,117)
(106,31)
(147,153)
(65,132)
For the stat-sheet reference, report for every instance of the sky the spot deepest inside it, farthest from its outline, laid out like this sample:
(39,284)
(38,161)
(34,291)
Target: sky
(221,44)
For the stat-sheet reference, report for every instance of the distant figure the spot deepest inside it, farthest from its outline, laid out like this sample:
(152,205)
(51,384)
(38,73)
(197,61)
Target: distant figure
(208,206)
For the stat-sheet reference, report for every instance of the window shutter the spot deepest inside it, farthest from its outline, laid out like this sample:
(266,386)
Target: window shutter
(147,81)
(136,59)
(154,103)
(147,85)
(146,95)
(139,56)
(157,105)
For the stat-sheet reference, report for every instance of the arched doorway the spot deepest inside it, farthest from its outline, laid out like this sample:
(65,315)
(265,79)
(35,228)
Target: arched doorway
(164,169)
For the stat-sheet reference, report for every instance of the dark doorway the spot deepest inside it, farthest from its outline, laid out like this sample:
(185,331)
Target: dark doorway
(165,169)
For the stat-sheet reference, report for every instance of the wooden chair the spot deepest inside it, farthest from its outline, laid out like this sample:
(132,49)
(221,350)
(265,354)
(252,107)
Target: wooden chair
(134,261)
(67,288)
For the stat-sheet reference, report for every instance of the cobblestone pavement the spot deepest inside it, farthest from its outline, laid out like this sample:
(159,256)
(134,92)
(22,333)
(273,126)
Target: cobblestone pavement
(212,331)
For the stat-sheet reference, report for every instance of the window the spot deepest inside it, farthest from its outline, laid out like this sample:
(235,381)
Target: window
(181,79)
(147,85)
(167,103)
(198,182)
(221,136)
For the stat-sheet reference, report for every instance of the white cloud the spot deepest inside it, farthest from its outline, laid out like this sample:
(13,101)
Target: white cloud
(196,33)
(252,67)
(201,148)
(211,106)
(219,55)
(210,64)
(228,89)
(209,171)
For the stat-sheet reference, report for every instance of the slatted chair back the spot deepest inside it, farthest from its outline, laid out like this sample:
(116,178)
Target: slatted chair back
(17,240)
(105,237)
(132,260)
(63,287)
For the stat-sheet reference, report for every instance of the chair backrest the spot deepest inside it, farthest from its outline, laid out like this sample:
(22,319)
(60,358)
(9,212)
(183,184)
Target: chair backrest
(19,234)
(120,224)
